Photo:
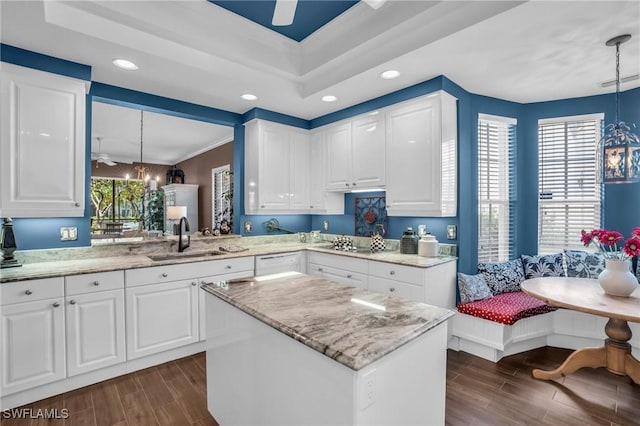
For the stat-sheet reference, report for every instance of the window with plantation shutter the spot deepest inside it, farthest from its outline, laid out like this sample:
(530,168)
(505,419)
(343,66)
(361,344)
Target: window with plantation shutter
(569,197)
(496,188)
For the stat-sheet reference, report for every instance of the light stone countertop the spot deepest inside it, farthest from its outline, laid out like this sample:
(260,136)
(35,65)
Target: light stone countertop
(330,317)
(84,260)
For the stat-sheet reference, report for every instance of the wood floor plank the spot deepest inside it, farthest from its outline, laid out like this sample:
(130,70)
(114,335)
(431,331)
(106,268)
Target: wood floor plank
(106,404)
(201,360)
(193,372)
(171,414)
(84,417)
(154,387)
(138,410)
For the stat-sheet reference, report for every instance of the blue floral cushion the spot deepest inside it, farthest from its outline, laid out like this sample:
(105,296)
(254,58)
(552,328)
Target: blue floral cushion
(549,265)
(503,277)
(472,288)
(583,264)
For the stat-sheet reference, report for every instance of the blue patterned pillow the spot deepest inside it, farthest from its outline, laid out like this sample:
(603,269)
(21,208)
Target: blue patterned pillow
(583,264)
(549,265)
(472,288)
(503,277)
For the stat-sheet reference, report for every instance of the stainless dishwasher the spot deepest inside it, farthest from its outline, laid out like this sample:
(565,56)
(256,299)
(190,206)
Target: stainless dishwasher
(280,262)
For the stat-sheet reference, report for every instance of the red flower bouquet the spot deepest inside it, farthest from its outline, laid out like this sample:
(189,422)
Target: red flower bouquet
(607,243)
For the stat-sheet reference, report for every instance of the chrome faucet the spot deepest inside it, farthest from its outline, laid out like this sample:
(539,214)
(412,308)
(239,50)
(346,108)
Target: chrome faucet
(181,245)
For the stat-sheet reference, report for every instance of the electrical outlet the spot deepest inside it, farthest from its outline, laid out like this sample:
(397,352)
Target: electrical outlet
(368,389)
(247,227)
(452,232)
(325,225)
(68,233)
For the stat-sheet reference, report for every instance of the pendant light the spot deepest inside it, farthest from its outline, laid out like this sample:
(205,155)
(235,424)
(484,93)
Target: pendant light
(619,148)
(142,170)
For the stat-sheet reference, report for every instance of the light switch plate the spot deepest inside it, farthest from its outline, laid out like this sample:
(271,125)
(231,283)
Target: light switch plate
(452,232)
(68,233)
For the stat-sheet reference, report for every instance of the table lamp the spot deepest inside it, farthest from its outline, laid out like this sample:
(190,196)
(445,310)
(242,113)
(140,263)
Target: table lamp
(175,213)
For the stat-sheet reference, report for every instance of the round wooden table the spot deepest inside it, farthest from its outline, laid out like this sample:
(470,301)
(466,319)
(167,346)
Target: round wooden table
(586,295)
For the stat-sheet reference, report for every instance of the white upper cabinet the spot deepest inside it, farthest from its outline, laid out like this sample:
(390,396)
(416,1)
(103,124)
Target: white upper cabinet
(367,151)
(276,169)
(421,157)
(355,154)
(42,144)
(320,200)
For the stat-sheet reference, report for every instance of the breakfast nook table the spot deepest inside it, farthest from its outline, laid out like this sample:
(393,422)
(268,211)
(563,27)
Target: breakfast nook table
(586,295)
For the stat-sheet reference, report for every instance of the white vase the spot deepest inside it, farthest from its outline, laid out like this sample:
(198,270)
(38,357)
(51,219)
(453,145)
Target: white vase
(617,279)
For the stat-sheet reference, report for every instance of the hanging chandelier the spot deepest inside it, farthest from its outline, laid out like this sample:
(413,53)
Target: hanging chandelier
(141,168)
(619,148)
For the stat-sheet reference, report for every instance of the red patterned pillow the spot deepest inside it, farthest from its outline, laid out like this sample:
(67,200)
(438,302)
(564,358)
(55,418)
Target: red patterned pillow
(506,308)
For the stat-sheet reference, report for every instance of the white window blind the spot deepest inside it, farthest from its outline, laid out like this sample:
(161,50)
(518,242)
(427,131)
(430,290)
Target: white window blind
(569,197)
(496,188)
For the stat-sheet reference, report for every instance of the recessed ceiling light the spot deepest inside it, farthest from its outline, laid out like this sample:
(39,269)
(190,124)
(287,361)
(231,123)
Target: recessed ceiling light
(249,97)
(389,74)
(329,98)
(125,64)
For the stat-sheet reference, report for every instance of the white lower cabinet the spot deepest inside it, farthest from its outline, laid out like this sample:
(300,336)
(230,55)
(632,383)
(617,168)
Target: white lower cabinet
(95,331)
(397,288)
(32,338)
(94,310)
(161,317)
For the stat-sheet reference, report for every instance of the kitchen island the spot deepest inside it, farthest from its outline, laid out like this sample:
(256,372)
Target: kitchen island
(297,349)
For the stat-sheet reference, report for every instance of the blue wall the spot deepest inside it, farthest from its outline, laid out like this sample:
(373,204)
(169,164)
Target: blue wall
(620,200)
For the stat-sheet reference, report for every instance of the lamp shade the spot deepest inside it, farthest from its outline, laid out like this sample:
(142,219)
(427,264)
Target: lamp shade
(176,212)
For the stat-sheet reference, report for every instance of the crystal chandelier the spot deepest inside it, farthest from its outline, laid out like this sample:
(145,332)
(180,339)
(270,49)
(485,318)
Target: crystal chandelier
(619,148)
(141,168)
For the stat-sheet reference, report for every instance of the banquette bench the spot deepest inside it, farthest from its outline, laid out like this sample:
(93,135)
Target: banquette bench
(495,318)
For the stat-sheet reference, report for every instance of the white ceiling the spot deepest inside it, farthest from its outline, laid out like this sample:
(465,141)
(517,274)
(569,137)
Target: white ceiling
(195,51)
(166,139)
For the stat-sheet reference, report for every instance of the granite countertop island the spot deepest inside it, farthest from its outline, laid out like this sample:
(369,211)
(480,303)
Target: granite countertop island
(348,324)
(295,349)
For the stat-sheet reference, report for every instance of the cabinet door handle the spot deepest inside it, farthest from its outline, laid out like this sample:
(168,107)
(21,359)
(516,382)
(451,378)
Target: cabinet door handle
(28,292)
(77,204)
(96,283)
(392,272)
(228,266)
(71,302)
(56,304)
(164,275)
(193,283)
(392,289)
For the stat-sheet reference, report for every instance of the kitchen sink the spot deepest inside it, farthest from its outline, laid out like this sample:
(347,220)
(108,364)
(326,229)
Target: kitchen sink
(176,256)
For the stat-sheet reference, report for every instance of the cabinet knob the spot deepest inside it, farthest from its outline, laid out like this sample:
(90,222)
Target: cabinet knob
(346,184)
(320,269)
(164,275)
(193,283)
(72,302)
(56,304)
(310,207)
(96,283)
(228,266)
(392,289)
(77,204)
(392,272)
(353,184)
(349,276)
(28,292)
(262,206)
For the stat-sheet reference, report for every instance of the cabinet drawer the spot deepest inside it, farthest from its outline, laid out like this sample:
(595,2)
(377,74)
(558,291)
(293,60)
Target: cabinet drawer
(185,271)
(349,278)
(339,261)
(31,290)
(395,288)
(227,266)
(90,283)
(396,272)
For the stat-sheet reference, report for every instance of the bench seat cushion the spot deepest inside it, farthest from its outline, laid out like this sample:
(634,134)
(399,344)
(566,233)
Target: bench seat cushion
(506,308)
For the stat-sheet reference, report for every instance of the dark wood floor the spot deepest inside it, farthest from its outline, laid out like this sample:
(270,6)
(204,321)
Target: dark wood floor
(479,392)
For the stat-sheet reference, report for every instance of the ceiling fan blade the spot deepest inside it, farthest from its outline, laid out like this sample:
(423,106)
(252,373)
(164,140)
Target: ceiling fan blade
(375,4)
(284,12)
